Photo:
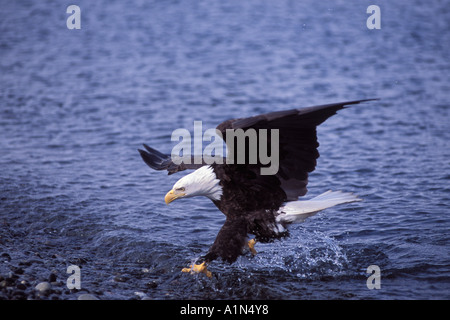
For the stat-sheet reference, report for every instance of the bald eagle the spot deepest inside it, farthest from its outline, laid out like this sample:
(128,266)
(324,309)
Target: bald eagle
(257,207)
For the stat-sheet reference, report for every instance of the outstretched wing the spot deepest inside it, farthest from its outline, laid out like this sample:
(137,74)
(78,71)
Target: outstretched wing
(160,161)
(297,140)
(297,144)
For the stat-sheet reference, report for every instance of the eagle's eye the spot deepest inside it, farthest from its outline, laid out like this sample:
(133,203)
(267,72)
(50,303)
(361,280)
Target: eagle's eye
(180,189)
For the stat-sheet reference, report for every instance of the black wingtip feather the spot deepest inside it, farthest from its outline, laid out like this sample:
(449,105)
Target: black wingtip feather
(154,159)
(358,101)
(155,152)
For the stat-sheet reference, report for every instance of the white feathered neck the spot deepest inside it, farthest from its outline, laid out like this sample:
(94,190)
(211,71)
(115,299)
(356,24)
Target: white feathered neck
(201,182)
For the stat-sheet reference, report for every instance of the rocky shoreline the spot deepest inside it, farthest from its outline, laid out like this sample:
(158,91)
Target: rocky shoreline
(20,284)
(41,278)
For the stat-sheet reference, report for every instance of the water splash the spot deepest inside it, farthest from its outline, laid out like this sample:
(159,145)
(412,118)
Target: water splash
(306,254)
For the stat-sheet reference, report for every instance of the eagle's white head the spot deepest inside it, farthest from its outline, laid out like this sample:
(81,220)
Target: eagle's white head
(201,182)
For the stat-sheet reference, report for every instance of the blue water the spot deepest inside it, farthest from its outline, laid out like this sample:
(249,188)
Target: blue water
(76,104)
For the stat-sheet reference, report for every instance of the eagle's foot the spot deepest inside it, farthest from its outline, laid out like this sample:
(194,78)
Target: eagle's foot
(197,268)
(251,245)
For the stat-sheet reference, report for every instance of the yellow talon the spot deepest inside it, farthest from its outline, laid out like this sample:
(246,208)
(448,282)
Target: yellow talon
(197,268)
(251,245)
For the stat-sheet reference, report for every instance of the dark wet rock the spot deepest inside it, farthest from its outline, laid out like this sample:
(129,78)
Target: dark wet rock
(78,261)
(52,277)
(5,257)
(8,281)
(30,262)
(19,295)
(18,270)
(56,291)
(152,284)
(21,286)
(12,276)
(121,278)
(58,258)
(25,263)
(38,255)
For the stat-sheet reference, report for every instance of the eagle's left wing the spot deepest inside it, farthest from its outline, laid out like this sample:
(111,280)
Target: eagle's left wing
(160,161)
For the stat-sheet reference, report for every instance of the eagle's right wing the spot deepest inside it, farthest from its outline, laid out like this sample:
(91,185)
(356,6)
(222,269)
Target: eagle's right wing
(297,141)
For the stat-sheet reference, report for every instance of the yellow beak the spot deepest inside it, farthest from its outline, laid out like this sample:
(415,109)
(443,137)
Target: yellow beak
(171,195)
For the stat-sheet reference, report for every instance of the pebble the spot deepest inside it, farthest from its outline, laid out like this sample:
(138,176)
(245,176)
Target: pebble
(87,296)
(120,278)
(141,295)
(7,282)
(43,287)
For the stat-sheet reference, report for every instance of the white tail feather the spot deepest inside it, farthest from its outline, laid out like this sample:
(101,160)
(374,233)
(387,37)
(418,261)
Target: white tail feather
(298,211)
